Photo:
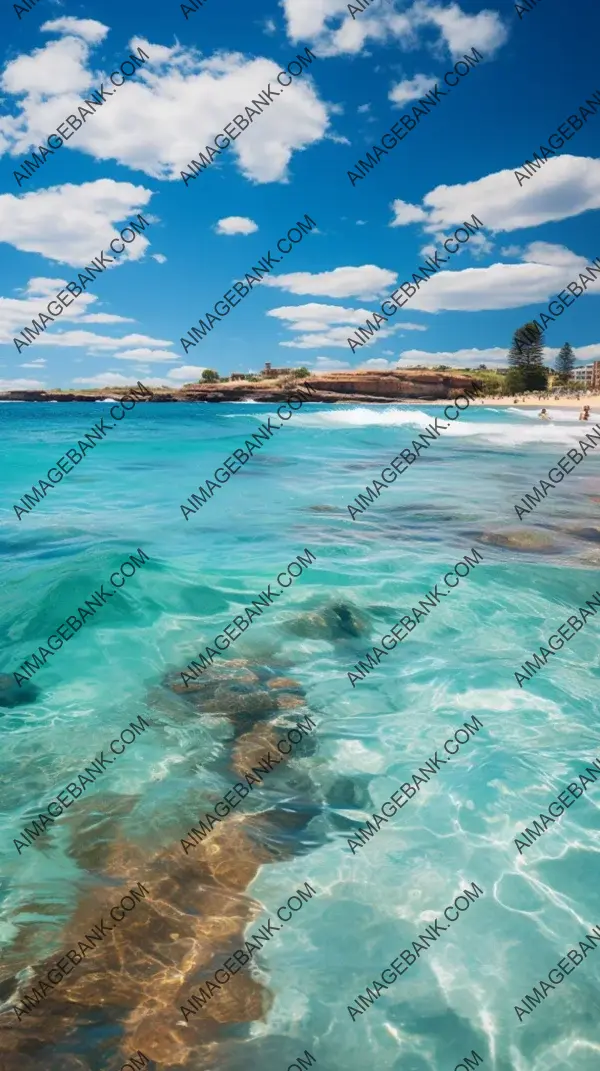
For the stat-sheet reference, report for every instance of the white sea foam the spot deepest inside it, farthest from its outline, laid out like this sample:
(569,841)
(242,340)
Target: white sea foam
(501,433)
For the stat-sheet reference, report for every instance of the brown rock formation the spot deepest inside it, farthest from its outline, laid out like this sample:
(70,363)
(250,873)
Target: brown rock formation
(333,387)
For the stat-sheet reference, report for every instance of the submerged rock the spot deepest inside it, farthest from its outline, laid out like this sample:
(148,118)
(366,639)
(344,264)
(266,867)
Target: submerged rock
(338,621)
(526,540)
(590,534)
(11,695)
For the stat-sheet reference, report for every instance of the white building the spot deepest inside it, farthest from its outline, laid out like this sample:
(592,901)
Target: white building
(588,375)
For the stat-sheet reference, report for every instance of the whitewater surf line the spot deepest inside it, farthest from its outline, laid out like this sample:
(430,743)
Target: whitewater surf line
(362,502)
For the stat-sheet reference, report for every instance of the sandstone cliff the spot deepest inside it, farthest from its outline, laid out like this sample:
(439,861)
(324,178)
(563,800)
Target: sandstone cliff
(417,384)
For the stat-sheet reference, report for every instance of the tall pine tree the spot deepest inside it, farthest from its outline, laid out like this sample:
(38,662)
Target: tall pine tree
(565,362)
(526,359)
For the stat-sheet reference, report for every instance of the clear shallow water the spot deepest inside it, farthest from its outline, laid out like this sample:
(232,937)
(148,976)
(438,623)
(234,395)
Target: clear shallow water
(459,662)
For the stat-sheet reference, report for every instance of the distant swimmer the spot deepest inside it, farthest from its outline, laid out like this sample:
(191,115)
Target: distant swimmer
(585,413)
(544,415)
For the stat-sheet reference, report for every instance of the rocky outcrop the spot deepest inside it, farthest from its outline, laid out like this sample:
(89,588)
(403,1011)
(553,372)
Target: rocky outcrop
(335,387)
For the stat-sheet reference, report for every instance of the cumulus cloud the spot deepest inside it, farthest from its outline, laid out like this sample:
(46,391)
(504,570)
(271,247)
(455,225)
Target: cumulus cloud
(21,384)
(316,324)
(72,224)
(375,364)
(406,213)
(566,186)
(328,364)
(236,225)
(88,340)
(314,317)
(35,364)
(411,88)
(328,23)
(187,373)
(159,120)
(546,270)
(460,31)
(365,282)
(145,355)
(17,312)
(87,29)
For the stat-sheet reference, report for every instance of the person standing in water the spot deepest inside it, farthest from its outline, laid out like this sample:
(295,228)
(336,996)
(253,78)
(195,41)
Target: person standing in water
(544,415)
(585,413)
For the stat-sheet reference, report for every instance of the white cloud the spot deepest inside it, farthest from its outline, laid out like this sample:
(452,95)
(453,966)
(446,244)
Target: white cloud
(236,225)
(566,186)
(493,356)
(460,31)
(328,364)
(17,313)
(316,324)
(145,354)
(105,318)
(406,213)
(363,109)
(72,224)
(41,361)
(328,23)
(159,257)
(186,373)
(365,282)
(375,364)
(87,339)
(411,88)
(88,29)
(314,317)
(169,112)
(21,384)
(547,270)
(335,336)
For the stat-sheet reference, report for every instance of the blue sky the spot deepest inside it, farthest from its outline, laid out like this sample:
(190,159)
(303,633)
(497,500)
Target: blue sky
(294,159)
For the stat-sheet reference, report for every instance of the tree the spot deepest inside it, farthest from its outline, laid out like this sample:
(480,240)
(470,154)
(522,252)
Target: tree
(302,373)
(565,362)
(526,359)
(208,376)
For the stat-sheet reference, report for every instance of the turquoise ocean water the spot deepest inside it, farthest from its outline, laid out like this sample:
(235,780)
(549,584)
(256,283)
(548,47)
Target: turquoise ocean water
(459,662)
